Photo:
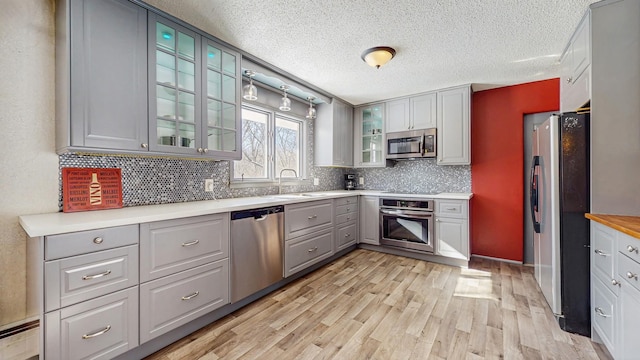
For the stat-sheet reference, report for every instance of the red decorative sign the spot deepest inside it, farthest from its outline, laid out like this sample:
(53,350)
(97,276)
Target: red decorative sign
(91,189)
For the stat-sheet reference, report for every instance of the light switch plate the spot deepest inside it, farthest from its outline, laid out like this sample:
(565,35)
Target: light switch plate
(208,185)
(361,180)
(316,181)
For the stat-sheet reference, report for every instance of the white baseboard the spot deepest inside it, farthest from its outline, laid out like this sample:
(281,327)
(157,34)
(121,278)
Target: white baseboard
(498,259)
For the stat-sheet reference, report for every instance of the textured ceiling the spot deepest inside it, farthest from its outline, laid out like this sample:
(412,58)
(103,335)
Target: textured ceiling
(439,43)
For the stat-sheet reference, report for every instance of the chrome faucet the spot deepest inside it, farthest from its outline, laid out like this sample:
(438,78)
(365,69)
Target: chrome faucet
(280,178)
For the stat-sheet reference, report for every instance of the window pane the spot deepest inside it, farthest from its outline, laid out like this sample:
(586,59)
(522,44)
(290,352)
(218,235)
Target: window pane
(288,146)
(254,146)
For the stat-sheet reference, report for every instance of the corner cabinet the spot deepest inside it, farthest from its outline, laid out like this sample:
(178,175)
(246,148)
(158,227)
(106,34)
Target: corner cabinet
(369,144)
(130,81)
(194,93)
(333,135)
(575,77)
(369,220)
(101,75)
(454,126)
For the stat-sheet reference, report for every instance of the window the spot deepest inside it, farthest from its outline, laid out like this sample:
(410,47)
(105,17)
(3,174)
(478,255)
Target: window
(271,143)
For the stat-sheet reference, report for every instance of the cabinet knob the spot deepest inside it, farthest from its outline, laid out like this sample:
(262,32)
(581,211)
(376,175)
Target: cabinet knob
(569,80)
(144,146)
(98,240)
(200,150)
(615,282)
(631,275)
(312,249)
(205,150)
(437,220)
(632,249)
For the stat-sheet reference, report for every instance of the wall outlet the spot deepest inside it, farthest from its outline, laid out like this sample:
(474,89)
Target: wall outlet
(361,180)
(316,181)
(208,185)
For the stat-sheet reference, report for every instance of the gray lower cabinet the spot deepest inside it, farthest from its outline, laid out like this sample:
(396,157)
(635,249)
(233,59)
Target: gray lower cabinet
(175,300)
(369,220)
(101,79)
(452,229)
(346,213)
(184,271)
(88,298)
(97,329)
(167,247)
(309,234)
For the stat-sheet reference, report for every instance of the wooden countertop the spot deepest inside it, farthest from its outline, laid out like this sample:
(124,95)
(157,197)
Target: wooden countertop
(629,225)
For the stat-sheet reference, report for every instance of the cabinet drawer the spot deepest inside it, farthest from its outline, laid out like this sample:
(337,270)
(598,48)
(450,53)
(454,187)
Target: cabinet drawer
(302,219)
(346,209)
(168,247)
(306,251)
(347,201)
(603,246)
(175,300)
(97,329)
(451,208)
(72,280)
(629,246)
(345,218)
(346,236)
(629,270)
(603,312)
(82,242)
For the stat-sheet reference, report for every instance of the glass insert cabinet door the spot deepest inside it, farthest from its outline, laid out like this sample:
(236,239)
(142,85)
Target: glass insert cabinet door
(222,84)
(372,136)
(175,79)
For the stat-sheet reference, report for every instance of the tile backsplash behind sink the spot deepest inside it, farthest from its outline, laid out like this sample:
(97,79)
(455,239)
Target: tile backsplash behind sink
(147,181)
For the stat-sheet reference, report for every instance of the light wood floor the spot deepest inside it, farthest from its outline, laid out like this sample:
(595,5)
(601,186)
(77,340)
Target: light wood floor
(370,305)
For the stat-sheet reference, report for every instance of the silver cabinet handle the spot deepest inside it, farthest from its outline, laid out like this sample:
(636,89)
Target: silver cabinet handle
(89,336)
(91,277)
(437,220)
(200,150)
(313,249)
(189,297)
(632,249)
(631,275)
(347,235)
(98,240)
(191,243)
(452,209)
(312,217)
(600,312)
(144,146)
(205,150)
(615,282)
(348,218)
(348,209)
(600,252)
(569,79)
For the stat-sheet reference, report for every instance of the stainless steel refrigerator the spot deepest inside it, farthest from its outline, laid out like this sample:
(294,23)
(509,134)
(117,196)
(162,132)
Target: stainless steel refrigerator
(559,194)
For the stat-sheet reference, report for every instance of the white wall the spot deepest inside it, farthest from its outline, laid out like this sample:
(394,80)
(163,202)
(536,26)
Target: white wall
(28,163)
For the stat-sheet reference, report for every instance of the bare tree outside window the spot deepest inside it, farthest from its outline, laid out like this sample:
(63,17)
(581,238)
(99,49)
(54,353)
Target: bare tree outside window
(270,143)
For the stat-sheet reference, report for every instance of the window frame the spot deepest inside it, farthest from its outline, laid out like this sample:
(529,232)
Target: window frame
(272,177)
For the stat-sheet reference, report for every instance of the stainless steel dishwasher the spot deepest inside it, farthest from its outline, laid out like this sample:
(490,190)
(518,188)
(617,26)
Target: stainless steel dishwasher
(257,238)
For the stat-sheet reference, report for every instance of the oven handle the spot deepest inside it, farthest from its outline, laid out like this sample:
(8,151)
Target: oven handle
(408,213)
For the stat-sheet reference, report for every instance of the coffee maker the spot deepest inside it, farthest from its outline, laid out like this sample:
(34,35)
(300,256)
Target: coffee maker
(350,181)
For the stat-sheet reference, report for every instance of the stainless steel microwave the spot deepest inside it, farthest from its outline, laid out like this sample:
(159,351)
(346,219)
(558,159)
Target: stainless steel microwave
(415,144)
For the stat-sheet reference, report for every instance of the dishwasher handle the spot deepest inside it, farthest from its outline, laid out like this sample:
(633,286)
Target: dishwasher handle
(257,214)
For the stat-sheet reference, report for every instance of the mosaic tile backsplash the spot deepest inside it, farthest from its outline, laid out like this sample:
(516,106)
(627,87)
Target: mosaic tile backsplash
(418,176)
(147,181)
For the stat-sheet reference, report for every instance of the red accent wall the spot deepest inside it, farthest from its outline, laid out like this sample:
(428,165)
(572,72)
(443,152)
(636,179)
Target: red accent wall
(497,164)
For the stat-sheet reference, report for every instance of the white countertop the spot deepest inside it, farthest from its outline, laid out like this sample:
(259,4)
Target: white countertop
(59,223)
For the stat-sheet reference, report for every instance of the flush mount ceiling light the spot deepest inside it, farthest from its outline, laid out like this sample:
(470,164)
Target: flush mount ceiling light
(311,113)
(285,102)
(249,91)
(378,56)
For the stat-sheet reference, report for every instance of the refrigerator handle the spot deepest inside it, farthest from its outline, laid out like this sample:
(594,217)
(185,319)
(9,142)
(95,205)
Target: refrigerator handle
(533,193)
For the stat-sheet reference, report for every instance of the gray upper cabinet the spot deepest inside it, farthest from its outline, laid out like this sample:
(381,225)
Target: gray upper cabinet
(194,93)
(333,135)
(101,75)
(454,126)
(413,113)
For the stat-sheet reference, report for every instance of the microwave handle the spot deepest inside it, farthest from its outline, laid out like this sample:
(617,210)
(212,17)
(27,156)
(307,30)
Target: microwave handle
(423,146)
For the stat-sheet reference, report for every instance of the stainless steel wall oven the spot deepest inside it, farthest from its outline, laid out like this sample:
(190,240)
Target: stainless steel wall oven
(407,224)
